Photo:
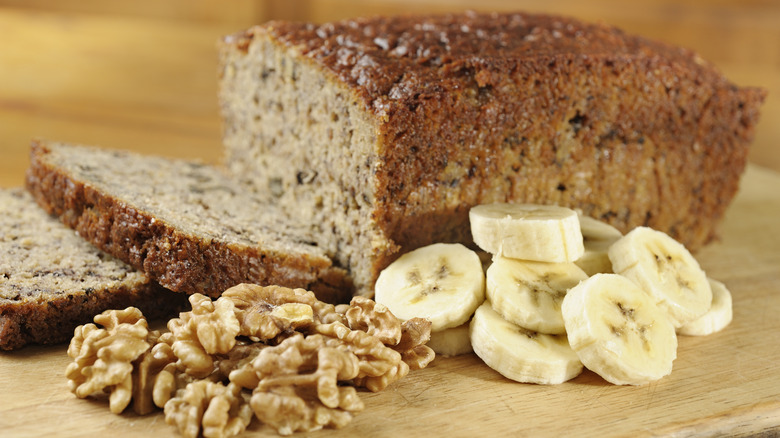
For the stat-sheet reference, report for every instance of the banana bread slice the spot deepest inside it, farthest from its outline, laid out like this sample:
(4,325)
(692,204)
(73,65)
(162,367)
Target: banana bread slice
(52,280)
(187,225)
(386,130)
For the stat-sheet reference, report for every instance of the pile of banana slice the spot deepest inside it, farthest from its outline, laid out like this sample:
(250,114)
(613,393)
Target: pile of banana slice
(562,291)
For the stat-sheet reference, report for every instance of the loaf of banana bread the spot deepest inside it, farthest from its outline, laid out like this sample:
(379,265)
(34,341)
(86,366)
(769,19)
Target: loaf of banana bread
(52,280)
(185,224)
(384,131)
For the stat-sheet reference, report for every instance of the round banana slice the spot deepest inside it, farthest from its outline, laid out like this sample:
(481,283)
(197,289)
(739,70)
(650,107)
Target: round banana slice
(520,354)
(443,282)
(529,294)
(666,270)
(544,233)
(597,237)
(618,331)
(717,318)
(452,341)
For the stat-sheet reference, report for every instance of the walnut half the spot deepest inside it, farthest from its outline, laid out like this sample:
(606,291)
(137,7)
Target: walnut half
(150,377)
(210,328)
(216,410)
(298,384)
(103,357)
(266,312)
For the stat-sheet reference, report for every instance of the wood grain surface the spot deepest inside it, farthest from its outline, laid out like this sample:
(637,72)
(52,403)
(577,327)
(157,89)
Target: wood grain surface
(725,384)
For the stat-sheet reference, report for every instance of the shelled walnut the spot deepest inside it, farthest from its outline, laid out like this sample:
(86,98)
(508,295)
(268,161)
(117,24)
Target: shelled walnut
(374,319)
(102,357)
(408,338)
(304,372)
(265,312)
(149,378)
(212,408)
(210,328)
(415,333)
(273,353)
(379,364)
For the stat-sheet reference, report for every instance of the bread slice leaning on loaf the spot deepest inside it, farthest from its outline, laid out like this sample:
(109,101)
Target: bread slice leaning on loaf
(187,225)
(52,280)
(385,131)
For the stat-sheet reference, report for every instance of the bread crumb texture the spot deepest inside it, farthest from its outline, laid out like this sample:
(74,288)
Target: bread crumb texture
(186,224)
(51,279)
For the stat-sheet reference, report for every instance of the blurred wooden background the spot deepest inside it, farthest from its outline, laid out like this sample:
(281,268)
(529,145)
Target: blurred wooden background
(141,74)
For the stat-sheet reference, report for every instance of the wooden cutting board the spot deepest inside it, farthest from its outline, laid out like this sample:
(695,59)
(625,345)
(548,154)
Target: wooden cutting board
(725,384)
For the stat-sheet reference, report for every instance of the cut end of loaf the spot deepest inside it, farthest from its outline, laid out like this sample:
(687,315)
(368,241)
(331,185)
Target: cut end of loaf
(388,129)
(304,140)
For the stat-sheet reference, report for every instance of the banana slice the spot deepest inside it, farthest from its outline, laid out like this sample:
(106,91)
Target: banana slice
(520,354)
(595,260)
(544,233)
(665,269)
(717,318)
(529,294)
(443,282)
(618,331)
(594,229)
(597,237)
(452,341)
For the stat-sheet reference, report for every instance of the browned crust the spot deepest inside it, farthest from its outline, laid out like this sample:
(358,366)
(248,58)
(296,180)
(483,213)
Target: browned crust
(487,102)
(473,108)
(437,49)
(178,261)
(689,141)
(51,320)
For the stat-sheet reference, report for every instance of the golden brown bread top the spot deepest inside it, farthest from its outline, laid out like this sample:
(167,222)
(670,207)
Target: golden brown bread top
(406,56)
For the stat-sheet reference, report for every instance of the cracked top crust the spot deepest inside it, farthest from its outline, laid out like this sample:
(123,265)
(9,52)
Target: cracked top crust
(403,58)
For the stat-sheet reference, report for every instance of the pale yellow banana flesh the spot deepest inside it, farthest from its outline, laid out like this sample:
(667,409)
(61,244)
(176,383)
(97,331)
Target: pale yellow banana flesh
(617,330)
(597,237)
(529,294)
(627,334)
(527,231)
(717,318)
(520,354)
(593,229)
(666,270)
(595,259)
(450,342)
(442,282)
